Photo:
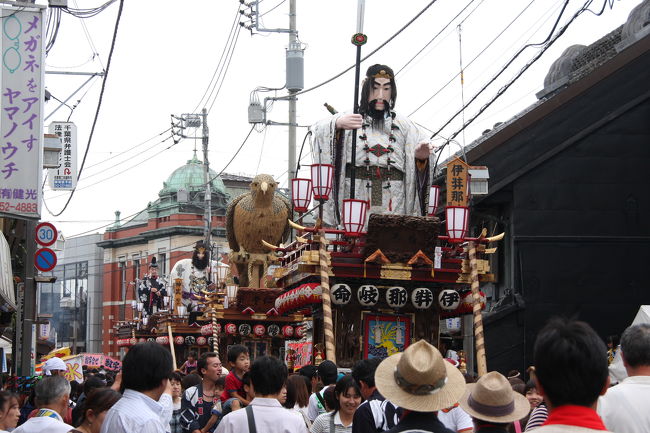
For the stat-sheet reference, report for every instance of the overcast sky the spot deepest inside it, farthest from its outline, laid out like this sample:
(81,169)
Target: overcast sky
(167,51)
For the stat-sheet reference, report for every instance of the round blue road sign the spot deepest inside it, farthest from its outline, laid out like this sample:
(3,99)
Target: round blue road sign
(45,259)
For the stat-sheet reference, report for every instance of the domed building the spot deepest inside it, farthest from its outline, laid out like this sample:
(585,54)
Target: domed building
(168,228)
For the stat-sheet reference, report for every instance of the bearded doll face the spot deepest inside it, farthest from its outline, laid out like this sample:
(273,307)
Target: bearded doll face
(380,94)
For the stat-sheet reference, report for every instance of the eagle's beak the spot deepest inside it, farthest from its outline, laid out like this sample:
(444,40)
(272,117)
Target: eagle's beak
(264,186)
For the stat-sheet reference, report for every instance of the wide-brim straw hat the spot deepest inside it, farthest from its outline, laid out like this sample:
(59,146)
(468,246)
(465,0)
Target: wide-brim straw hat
(492,399)
(419,379)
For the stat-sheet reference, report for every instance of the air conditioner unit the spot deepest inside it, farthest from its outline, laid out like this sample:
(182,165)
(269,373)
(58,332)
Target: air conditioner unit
(479,180)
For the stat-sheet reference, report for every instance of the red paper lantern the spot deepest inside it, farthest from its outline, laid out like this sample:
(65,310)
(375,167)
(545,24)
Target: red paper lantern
(141,340)
(259,330)
(206,329)
(132,341)
(354,216)
(218,328)
(321,181)
(301,331)
(287,331)
(301,192)
(162,340)
(231,328)
(201,341)
(179,340)
(467,303)
(457,219)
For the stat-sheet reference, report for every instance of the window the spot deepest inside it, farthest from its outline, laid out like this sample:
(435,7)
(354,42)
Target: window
(136,266)
(162,262)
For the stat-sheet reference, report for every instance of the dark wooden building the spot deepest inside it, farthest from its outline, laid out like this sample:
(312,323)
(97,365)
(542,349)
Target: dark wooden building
(570,186)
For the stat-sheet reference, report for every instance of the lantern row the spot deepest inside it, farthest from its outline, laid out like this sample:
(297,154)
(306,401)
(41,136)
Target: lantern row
(354,211)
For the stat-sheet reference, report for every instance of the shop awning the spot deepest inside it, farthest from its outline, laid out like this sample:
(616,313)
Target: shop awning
(7,297)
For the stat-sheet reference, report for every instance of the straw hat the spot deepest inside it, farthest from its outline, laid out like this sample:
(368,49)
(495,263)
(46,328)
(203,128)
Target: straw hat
(493,399)
(419,379)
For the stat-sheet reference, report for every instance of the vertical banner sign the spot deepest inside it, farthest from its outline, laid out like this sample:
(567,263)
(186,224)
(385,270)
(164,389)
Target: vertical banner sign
(457,183)
(65,177)
(21,117)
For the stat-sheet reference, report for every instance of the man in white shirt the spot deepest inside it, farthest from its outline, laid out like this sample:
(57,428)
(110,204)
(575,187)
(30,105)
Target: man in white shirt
(52,396)
(145,372)
(265,414)
(625,408)
(328,373)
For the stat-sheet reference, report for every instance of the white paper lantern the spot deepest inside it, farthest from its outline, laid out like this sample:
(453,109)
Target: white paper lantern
(422,298)
(259,330)
(368,295)
(396,297)
(341,294)
(190,340)
(273,330)
(449,299)
(244,329)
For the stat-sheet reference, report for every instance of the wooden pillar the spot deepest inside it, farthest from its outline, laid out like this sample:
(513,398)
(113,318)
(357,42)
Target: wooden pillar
(479,338)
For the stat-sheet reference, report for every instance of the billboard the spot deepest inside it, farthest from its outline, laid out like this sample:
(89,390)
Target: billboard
(21,117)
(64,177)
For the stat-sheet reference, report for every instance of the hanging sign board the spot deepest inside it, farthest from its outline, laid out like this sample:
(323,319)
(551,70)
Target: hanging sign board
(65,177)
(21,118)
(457,182)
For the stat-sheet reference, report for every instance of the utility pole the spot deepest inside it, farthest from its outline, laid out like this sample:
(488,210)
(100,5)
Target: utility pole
(27,350)
(293,45)
(208,181)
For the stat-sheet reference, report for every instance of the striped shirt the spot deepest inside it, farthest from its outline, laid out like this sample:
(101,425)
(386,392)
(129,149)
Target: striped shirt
(323,424)
(135,412)
(537,417)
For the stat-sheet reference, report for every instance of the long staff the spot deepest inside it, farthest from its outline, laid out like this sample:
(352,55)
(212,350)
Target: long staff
(358,39)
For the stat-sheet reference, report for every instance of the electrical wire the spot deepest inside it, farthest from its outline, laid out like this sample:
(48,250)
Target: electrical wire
(90,40)
(129,149)
(225,71)
(382,45)
(504,68)
(223,52)
(473,59)
(233,157)
(273,8)
(550,42)
(438,34)
(88,13)
(99,104)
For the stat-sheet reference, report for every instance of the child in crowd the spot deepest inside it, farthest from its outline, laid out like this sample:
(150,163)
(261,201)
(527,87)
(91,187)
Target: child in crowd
(217,410)
(234,396)
(189,365)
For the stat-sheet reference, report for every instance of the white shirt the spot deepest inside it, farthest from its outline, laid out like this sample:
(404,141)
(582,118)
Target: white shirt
(456,419)
(135,413)
(270,417)
(44,424)
(625,408)
(313,409)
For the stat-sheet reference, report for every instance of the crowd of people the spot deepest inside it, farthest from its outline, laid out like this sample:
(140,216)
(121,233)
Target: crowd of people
(568,390)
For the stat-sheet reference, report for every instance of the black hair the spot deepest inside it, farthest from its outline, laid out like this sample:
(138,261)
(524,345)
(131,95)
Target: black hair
(5,400)
(341,387)
(93,382)
(267,375)
(635,345)
(327,372)
(175,375)
(308,371)
(329,396)
(99,400)
(614,340)
(220,383)
(365,370)
(203,361)
(190,380)
(192,354)
(234,351)
(146,366)
(530,385)
(570,362)
(364,106)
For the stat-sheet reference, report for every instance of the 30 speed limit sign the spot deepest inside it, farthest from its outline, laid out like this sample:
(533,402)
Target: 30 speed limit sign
(46,234)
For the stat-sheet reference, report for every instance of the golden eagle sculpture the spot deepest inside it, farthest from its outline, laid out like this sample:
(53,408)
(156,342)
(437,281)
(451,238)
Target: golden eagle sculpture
(258,215)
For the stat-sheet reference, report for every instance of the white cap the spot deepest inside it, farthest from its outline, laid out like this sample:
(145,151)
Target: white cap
(53,364)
